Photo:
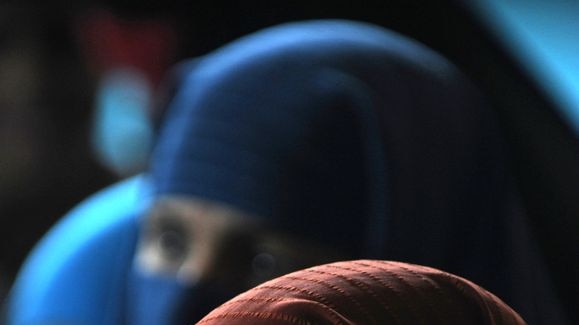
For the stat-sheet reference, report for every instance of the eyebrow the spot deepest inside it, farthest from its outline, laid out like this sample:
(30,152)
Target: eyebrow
(165,206)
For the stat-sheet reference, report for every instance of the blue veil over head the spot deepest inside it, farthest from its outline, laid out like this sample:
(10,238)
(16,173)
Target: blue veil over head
(350,135)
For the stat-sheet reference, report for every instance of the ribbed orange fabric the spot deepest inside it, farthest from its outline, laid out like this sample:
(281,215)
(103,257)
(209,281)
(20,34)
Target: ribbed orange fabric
(365,292)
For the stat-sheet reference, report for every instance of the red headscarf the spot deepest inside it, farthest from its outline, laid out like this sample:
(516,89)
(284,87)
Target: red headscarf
(365,292)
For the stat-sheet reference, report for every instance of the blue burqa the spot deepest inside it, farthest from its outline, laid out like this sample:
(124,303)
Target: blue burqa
(350,135)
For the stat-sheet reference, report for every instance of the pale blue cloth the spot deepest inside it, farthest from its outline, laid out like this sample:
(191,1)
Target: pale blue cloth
(76,274)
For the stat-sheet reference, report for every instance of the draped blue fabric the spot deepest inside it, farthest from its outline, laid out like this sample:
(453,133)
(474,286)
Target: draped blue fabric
(77,272)
(359,138)
(286,124)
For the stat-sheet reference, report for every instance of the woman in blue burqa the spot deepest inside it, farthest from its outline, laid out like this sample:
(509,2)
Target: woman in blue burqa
(313,142)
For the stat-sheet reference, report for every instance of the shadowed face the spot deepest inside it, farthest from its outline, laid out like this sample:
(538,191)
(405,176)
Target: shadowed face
(199,241)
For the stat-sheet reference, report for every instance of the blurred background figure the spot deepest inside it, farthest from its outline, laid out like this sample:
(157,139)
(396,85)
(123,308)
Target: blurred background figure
(77,93)
(96,238)
(45,96)
(129,57)
(366,292)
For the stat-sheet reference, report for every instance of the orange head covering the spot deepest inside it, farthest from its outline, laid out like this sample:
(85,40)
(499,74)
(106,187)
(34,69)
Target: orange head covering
(365,292)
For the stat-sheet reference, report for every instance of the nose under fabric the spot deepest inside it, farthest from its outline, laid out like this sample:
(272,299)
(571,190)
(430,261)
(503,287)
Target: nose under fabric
(366,292)
(155,299)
